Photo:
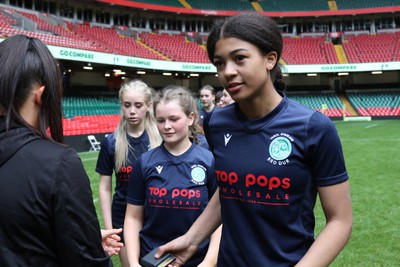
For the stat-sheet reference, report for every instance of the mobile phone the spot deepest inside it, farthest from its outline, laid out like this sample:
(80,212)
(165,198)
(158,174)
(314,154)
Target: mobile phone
(149,260)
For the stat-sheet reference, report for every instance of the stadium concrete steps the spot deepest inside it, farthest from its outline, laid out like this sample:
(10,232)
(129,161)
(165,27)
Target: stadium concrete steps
(341,54)
(257,6)
(349,106)
(185,4)
(155,51)
(332,5)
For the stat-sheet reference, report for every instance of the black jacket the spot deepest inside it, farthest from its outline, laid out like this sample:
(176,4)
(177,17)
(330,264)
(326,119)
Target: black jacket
(47,216)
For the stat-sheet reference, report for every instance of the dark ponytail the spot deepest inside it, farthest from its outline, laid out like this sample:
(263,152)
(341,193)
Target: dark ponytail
(277,78)
(25,63)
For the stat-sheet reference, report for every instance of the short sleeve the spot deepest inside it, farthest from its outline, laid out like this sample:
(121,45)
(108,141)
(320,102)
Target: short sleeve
(325,152)
(105,161)
(136,193)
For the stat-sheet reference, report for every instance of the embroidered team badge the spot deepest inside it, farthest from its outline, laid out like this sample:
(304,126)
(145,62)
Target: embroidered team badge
(198,174)
(280,149)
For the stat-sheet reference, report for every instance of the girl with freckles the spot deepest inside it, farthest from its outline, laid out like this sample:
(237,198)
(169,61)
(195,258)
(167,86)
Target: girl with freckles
(171,185)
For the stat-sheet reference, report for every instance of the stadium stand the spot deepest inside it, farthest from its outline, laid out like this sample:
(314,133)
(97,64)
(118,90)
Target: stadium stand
(317,49)
(175,3)
(221,5)
(78,106)
(272,5)
(109,41)
(98,115)
(243,5)
(333,105)
(176,47)
(6,22)
(41,24)
(346,4)
(376,103)
(12,23)
(294,5)
(85,115)
(309,50)
(93,124)
(363,48)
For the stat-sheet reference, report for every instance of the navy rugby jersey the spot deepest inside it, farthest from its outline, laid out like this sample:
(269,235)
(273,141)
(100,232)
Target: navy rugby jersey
(203,114)
(268,171)
(174,191)
(106,166)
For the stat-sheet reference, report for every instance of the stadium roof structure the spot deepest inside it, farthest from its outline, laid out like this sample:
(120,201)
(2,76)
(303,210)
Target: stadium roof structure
(115,59)
(282,8)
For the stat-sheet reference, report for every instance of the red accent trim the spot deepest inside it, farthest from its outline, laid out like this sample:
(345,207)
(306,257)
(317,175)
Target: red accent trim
(208,12)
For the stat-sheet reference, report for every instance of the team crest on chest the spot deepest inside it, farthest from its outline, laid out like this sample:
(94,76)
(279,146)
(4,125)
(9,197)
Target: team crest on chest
(280,149)
(198,174)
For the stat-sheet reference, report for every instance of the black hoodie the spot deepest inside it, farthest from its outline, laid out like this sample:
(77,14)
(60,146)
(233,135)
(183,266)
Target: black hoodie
(47,216)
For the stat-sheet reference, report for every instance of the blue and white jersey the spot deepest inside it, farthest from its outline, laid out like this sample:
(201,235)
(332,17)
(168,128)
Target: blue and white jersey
(174,191)
(106,166)
(268,171)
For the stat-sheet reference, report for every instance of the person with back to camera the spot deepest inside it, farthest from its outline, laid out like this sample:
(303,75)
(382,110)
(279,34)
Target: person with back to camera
(135,134)
(47,215)
(207,98)
(272,158)
(171,185)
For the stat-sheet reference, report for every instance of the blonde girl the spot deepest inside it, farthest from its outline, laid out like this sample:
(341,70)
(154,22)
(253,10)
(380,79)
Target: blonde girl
(135,134)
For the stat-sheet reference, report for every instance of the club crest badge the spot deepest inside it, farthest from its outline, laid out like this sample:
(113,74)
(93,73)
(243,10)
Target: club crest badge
(280,149)
(198,174)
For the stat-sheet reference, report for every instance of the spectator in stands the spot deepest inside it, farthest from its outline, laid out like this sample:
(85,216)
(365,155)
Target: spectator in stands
(47,212)
(218,100)
(135,134)
(272,157)
(207,97)
(226,98)
(171,185)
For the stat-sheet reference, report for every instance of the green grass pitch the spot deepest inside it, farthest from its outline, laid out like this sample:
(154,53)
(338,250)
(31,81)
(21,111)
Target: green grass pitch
(372,154)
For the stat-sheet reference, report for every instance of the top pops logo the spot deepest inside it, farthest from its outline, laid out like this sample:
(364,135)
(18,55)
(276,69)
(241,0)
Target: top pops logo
(124,173)
(253,180)
(176,192)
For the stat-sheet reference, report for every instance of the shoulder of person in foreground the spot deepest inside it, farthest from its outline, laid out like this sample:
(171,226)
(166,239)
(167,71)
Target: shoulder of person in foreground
(76,226)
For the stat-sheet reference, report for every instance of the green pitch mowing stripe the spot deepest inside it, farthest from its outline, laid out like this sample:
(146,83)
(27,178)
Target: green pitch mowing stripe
(371,151)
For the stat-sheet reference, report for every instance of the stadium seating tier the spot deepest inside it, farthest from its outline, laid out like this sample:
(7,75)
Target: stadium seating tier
(358,48)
